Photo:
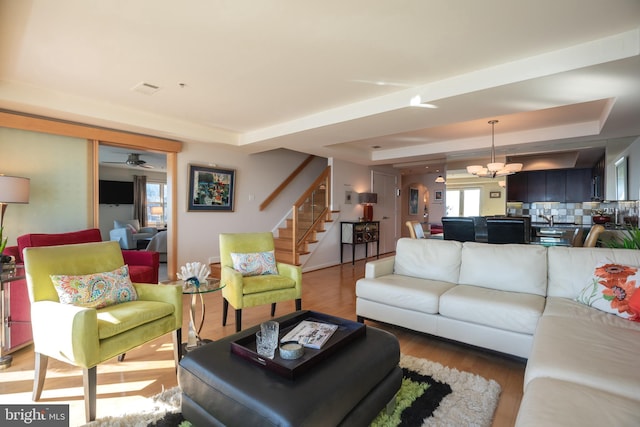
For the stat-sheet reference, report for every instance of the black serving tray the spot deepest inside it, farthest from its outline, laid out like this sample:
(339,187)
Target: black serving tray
(347,331)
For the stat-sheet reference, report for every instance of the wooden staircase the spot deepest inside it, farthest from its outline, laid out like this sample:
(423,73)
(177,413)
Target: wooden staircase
(284,241)
(309,216)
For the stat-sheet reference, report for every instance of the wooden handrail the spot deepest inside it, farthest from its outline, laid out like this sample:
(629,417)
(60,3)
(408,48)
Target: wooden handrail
(285,183)
(322,178)
(312,187)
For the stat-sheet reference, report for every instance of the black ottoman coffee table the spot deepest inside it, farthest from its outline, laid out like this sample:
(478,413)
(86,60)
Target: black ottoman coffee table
(348,388)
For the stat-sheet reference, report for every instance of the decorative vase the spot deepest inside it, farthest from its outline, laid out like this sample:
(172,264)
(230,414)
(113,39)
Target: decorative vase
(601,219)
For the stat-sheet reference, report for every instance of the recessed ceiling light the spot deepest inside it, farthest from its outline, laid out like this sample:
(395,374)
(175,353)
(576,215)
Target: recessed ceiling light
(416,101)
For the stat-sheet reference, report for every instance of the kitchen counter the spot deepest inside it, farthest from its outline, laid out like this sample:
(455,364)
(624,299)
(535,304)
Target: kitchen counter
(558,225)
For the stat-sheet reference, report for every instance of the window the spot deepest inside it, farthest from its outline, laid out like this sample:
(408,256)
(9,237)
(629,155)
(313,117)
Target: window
(465,202)
(156,204)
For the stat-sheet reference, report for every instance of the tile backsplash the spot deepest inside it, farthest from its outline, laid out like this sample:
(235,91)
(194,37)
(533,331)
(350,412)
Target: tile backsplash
(576,213)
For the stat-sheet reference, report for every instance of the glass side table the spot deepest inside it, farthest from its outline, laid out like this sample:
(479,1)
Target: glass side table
(211,285)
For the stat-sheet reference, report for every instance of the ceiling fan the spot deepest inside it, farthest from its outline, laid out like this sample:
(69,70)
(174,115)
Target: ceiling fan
(133,159)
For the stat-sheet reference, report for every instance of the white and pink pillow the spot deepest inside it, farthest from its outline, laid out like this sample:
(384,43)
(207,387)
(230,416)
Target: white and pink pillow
(614,289)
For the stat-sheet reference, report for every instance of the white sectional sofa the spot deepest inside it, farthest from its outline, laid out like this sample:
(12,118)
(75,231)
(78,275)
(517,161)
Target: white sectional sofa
(519,300)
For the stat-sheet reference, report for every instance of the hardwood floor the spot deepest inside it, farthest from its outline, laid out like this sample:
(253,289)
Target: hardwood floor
(149,369)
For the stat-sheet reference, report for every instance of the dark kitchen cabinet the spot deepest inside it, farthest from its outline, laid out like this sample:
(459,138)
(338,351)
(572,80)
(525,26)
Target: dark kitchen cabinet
(597,180)
(517,187)
(559,185)
(555,185)
(578,185)
(536,186)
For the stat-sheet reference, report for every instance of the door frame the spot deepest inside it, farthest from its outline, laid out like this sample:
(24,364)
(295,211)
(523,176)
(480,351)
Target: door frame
(388,242)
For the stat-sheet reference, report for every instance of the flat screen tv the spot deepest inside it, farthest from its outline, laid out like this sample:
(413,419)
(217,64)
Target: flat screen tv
(115,192)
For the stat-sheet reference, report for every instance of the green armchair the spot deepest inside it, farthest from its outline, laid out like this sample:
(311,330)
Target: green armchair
(86,337)
(250,291)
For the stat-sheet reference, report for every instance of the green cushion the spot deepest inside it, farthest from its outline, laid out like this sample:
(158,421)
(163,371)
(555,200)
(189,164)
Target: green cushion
(115,319)
(269,282)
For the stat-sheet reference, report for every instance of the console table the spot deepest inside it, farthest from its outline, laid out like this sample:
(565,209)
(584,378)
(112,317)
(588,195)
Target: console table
(359,233)
(15,331)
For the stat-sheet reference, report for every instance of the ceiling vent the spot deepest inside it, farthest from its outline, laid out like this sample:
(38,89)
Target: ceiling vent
(145,88)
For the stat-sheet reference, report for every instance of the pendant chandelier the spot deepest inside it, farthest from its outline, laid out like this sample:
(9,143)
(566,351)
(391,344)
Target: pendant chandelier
(494,168)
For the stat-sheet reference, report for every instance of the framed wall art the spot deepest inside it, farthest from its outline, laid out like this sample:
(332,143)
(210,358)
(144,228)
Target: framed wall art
(348,197)
(494,194)
(413,201)
(211,189)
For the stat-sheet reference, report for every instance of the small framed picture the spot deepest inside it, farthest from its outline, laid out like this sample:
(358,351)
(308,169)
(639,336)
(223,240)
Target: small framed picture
(438,195)
(211,189)
(494,194)
(348,197)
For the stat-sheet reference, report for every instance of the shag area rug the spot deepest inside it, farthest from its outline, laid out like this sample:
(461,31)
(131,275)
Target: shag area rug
(431,395)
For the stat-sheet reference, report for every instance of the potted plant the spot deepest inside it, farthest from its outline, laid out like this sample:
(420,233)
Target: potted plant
(5,261)
(629,240)
(3,242)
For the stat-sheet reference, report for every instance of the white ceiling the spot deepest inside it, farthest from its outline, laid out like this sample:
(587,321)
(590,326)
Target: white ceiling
(116,157)
(334,78)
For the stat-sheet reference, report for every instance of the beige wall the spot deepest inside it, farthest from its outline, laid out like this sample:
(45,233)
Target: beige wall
(427,188)
(488,206)
(60,197)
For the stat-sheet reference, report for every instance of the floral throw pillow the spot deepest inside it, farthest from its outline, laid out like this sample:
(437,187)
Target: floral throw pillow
(611,290)
(254,263)
(96,290)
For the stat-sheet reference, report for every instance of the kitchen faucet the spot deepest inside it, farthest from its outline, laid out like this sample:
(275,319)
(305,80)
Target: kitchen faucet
(549,219)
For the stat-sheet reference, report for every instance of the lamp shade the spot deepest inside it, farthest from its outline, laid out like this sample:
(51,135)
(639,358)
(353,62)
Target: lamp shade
(14,189)
(156,210)
(367,198)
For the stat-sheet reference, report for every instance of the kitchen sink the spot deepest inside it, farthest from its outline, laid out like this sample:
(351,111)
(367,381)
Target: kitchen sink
(552,231)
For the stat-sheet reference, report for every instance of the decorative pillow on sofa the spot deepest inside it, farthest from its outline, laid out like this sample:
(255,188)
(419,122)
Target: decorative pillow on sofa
(611,290)
(634,304)
(254,263)
(96,290)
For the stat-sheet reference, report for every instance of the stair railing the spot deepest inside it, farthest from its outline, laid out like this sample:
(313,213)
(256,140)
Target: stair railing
(271,197)
(310,209)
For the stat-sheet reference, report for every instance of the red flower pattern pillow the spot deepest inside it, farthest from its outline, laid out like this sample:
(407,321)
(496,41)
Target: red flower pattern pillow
(612,289)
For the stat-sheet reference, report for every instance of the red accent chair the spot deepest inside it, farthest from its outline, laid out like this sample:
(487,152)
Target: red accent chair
(143,265)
